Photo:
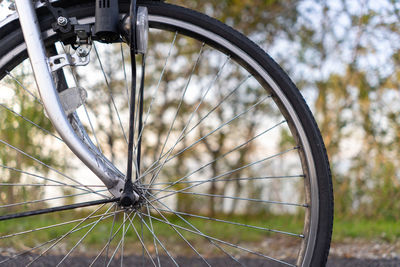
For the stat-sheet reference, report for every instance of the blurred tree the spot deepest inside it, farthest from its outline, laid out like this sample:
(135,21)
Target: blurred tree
(343,55)
(23,127)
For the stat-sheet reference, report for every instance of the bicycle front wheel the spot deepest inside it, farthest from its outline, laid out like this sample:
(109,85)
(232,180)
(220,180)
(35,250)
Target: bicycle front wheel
(234,167)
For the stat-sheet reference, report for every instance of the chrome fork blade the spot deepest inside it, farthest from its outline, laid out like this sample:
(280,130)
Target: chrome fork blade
(113,179)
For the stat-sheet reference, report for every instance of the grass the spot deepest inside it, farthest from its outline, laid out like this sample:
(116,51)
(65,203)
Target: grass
(101,232)
(368,229)
(387,230)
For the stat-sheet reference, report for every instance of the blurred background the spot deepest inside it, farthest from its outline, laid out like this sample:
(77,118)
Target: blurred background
(344,57)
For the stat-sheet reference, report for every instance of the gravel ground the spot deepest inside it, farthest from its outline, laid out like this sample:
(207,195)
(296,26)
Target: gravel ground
(136,261)
(361,249)
(354,253)
(351,253)
(352,262)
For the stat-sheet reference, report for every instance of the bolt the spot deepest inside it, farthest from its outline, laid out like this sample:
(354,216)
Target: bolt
(81,52)
(12,7)
(62,21)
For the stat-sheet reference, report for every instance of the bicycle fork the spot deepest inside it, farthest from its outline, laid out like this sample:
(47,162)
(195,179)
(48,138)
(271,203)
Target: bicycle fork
(84,149)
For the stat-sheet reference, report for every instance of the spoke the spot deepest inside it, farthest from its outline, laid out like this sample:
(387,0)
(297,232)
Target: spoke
(110,92)
(182,98)
(123,241)
(190,119)
(46,199)
(66,234)
(111,232)
(230,197)
(219,128)
(46,185)
(49,241)
(92,128)
(112,238)
(56,209)
(49,167)
(215,130)
(230,180)
(83,237)
(140,239)
(31,122)
(233,223)
(154,240)
(229,172)
(222,156)
(208,114)
(158,86)
(24,88)
(193,227)
(120,244)
(161,244)
(181,236)
(46,179)
(54,225)
(221,241)
(114,253)
(159,81)
(141,232)
(218,105)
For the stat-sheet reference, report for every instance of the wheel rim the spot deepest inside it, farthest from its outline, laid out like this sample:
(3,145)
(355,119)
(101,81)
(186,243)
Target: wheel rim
(297,125)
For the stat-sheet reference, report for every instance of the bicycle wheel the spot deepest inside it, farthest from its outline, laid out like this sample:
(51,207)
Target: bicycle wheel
(234,167)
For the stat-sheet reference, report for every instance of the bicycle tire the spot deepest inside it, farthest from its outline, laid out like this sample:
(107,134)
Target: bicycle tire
(254,60)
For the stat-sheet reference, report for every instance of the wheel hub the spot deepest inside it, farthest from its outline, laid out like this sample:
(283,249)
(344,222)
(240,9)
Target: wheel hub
(132,199)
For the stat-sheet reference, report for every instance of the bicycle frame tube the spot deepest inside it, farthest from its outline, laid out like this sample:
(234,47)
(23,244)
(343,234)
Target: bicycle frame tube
(111,177)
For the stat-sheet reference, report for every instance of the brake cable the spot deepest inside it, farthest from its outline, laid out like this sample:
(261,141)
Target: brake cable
(128,197)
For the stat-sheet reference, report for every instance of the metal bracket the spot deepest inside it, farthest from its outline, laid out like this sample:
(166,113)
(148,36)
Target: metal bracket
(72,98)
(63,23)
(59,61)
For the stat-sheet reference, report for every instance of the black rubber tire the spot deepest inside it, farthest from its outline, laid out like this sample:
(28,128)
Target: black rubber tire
(11,37)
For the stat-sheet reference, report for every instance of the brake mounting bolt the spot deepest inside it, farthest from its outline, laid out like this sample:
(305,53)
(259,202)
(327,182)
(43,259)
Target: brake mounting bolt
(62,21)
(82,52)
(12,7)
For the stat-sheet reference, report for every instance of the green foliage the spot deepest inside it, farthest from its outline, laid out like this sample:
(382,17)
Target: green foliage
(345,57)
(23,127)
(376,229)
(97,238)
(386,230)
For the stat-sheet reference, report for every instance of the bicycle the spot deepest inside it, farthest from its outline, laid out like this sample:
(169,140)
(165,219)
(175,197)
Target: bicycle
(223,152)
